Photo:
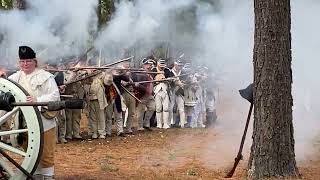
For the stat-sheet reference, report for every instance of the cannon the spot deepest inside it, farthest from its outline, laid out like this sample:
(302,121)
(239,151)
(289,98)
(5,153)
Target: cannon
(19,160)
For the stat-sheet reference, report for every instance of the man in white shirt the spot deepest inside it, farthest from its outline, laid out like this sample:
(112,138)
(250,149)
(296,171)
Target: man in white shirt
(41,87)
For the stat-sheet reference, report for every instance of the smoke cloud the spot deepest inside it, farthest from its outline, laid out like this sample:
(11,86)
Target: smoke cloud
(54,29)
(144,25)
(305,72)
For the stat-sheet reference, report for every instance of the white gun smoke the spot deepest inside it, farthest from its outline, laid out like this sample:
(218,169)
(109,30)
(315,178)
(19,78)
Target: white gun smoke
(54,29)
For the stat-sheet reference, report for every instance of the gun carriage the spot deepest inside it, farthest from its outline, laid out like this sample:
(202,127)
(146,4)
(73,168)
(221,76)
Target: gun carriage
(21,133)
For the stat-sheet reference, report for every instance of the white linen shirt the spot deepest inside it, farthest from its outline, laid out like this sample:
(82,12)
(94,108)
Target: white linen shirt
(41,85)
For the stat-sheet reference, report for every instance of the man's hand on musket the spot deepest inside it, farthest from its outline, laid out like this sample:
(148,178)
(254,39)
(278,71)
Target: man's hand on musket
(2,74)
(89,71)
(62,88)
(124,83)
(31,99)
(178,82)
(130,81)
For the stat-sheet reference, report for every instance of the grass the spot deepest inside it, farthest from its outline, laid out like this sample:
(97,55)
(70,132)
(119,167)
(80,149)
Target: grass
(105,164)
(192,172)
(172,156)
(108,167)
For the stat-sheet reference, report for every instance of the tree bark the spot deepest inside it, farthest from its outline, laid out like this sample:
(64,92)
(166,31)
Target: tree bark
(272,152)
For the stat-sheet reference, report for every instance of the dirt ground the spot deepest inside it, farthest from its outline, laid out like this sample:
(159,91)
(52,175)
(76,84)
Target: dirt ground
(173,153)
(160,154)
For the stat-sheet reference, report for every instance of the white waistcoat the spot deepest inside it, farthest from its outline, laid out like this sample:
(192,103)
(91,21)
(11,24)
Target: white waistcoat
(41,85)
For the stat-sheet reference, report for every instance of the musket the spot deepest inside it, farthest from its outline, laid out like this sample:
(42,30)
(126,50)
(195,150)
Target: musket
(145,72)
(131,94)
(66,96)
(239,155)
(119,61)
(187,74)
(102,68)
(153,81)
(56,70)
(83,78)
(247,94)
(106,66)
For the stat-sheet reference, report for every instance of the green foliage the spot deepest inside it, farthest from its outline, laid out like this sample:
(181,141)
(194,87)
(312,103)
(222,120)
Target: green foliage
(105,11)
(5,4)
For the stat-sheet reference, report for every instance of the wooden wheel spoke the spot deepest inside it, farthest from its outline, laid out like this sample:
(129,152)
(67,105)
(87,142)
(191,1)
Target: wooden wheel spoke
(17,131)
(12,149)
(8,115)
(6,166)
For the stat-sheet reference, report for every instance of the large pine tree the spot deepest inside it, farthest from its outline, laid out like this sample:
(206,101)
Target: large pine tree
(272,152)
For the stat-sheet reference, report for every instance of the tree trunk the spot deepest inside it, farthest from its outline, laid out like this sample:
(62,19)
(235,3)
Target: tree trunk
(272,152)
(98,11)
(18,4)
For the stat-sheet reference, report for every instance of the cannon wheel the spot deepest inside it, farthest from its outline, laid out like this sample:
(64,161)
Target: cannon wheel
(29,158)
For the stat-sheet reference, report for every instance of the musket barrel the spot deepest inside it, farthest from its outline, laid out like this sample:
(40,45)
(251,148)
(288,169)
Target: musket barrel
(153,81)
(131,94)
(56,70)
(145,72)
(81,79)
(119,61)
(101,68)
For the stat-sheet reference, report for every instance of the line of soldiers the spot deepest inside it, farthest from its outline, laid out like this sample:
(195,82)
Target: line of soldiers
(176,97)
(186,101)
(134,102)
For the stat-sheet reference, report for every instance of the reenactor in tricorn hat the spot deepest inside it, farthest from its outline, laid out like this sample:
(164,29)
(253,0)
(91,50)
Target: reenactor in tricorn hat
(162,96)
(98,104)
(144,92)
(114,93)
(42,87)
(73,116)
(178,96)
(129,100)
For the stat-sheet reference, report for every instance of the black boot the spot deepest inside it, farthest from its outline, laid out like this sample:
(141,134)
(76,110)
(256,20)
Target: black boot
(188,125)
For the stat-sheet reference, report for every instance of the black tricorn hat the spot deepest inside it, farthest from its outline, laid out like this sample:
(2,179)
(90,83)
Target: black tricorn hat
(26,52)
(247,93)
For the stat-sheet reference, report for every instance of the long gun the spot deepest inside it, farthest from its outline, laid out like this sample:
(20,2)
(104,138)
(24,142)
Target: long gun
(102,68)
(239,155)
(56,70)
(145,72)
(131,94)
(83,78)
(106,66)
(248,95)
(153,81)
(99,72)
(120,61)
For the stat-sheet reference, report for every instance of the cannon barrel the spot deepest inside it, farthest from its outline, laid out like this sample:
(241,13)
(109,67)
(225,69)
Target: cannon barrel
(7,102)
